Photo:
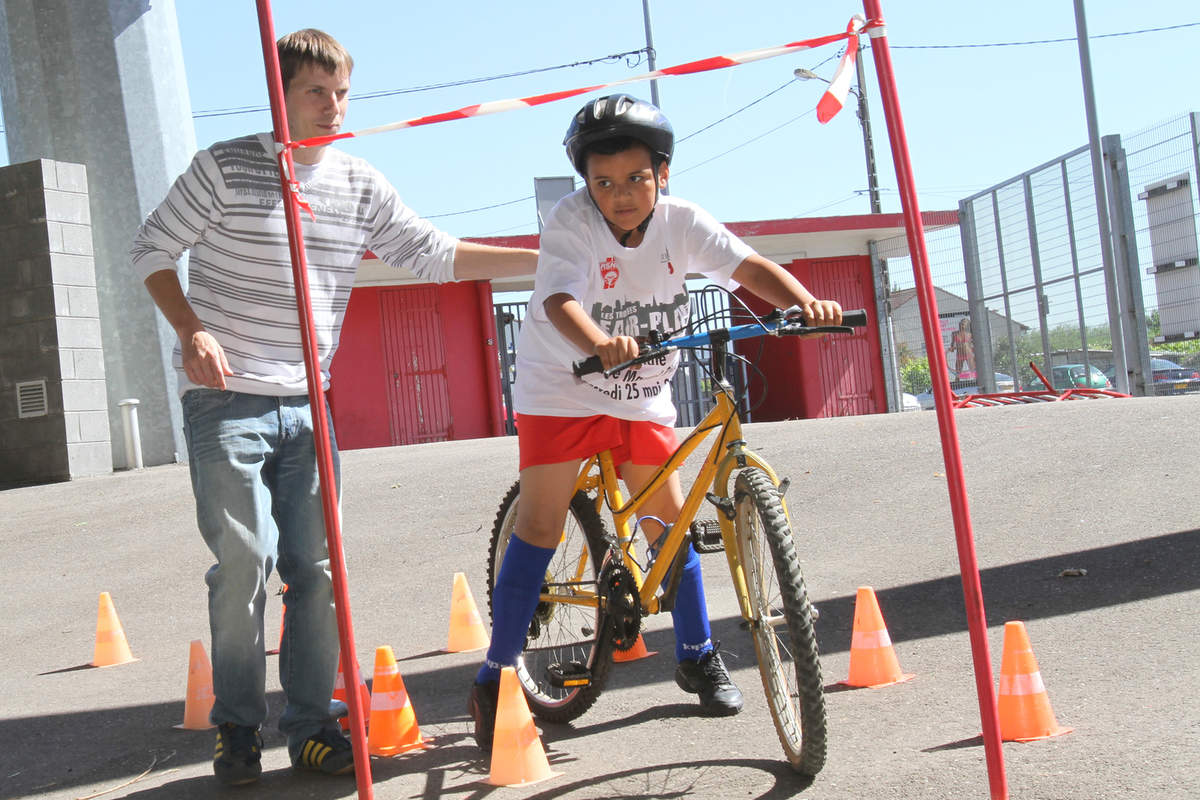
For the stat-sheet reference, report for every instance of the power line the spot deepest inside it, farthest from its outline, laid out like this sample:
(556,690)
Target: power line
(481,208)
(1041,41)
(748,141)
(817,66)
(735,113)
(685,138)
(628,57)
(220,112)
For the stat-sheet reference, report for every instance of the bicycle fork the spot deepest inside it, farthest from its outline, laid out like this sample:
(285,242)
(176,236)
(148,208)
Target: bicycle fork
(737,457)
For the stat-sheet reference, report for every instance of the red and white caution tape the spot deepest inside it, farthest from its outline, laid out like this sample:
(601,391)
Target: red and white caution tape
(831,102)
(835,96)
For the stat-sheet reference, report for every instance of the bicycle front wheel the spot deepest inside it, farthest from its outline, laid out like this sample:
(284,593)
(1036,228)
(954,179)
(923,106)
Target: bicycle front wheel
(566,642)
(781,621)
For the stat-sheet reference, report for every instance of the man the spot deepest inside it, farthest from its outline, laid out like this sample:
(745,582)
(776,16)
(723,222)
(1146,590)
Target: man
(247,418)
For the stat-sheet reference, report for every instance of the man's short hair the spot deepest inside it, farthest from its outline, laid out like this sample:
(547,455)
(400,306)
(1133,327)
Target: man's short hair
(311,46)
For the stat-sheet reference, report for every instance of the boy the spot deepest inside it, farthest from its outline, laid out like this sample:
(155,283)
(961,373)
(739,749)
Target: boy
(247,417)
(612,264)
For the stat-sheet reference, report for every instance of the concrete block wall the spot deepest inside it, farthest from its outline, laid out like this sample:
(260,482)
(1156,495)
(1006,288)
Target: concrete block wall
(50,327)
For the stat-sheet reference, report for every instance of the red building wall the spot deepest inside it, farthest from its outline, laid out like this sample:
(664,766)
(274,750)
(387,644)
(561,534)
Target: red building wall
(829,376)
(413,366)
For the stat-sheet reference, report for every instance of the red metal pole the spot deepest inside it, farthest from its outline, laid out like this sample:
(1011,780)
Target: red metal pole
(324,452)
(944,401)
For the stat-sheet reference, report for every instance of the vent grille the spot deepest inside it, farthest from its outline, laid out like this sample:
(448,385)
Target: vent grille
(31,399)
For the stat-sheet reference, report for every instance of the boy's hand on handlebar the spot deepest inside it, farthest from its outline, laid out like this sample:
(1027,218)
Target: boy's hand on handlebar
(616,350)
(822,312)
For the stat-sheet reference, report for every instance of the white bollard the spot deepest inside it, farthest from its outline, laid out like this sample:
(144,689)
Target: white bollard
(133,438)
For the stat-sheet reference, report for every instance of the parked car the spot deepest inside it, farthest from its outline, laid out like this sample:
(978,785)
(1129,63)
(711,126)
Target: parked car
(1074,376)
(1004,383)
(909,402)
(1170,378)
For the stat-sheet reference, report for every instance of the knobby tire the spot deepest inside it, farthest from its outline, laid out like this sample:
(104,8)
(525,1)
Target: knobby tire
(781,623)
(560,633)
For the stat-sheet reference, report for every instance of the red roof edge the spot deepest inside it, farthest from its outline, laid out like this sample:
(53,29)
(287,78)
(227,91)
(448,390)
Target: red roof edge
(854,222)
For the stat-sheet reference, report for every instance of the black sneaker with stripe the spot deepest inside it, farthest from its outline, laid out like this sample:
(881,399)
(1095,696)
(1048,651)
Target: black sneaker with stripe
(237,759)
(327,751)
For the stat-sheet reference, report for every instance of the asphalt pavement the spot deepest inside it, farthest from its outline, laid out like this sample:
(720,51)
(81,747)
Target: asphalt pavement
(1103,487)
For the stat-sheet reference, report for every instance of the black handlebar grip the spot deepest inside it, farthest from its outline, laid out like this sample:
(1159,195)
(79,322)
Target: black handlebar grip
(587,366)
(856,318)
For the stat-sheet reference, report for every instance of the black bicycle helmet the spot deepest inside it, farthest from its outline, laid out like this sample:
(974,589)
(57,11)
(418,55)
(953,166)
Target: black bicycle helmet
(617,115)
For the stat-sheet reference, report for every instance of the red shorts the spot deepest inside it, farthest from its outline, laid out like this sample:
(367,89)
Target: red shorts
(551,440)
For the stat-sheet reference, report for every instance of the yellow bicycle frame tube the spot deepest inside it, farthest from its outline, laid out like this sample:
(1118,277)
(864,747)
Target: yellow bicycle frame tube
(728,452)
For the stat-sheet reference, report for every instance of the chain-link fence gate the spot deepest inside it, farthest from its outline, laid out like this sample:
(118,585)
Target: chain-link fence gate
(691,388)
(1026,281)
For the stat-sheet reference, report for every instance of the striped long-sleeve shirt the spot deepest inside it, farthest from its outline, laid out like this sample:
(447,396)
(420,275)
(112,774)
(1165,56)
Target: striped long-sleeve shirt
(227,210)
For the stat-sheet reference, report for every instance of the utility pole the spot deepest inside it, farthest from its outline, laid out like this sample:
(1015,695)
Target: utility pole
(864,117)
(650,52)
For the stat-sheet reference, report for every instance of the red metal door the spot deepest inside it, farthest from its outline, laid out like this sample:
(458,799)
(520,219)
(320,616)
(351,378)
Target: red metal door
(850,367)
(831,376)
(415,359)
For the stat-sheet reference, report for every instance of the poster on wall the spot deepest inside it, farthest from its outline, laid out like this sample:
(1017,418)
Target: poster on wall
(959,347)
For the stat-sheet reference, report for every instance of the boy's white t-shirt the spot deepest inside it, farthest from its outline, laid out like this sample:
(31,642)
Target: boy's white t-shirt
(627,291)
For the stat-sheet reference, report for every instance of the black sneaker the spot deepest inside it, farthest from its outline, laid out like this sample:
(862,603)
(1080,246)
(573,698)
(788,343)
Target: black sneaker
(238,757)
(708,678)
(327,751)
(482,705)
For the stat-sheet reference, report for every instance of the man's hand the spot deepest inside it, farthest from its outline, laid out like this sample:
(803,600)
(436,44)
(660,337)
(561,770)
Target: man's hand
(204,360)
(616,350)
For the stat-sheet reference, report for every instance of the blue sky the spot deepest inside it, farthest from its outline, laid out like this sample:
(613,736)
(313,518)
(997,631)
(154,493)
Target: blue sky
(974,116)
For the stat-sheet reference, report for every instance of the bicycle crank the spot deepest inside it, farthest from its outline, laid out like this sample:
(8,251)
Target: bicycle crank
(622,607)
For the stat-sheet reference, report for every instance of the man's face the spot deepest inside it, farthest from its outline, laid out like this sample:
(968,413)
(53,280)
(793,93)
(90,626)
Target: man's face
(316,102)
(623,185)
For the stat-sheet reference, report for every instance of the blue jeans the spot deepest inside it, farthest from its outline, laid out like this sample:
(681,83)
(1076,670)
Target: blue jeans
(258,507)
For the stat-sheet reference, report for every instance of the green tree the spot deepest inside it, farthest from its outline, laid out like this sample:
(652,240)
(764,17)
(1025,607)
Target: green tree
(914,375)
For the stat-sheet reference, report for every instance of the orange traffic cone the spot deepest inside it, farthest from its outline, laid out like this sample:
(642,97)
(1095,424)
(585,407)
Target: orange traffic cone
(1024,707)
(518,758)
(339,693)
(873,662)
(466,626)
(393,727)
(634,653)
(200,698)
(111,648)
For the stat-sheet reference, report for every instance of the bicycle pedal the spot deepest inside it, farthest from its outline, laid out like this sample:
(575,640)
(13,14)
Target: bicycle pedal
(706,536)
(571,675)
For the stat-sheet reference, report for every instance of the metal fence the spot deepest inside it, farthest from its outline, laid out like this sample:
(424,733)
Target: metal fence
(691,388)
(1026,279)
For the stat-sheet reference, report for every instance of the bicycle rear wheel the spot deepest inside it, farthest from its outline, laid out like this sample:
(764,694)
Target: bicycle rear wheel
(781,621)
(561,636)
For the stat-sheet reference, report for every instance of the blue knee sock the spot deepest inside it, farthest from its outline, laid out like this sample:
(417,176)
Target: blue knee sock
(514,598)
(693,638)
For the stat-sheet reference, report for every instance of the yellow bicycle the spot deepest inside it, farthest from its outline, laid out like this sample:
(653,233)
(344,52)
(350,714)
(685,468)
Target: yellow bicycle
(596,591)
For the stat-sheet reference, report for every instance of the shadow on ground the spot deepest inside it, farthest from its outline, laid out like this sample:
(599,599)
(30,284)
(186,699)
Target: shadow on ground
(110,746)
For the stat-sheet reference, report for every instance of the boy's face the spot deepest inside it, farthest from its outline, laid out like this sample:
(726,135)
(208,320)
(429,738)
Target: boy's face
(316,102)
(623,185)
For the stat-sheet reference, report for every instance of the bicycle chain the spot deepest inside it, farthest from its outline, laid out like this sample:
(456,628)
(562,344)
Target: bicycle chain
(623,608)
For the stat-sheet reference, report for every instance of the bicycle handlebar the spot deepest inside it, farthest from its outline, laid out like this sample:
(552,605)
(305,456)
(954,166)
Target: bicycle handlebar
(777,323)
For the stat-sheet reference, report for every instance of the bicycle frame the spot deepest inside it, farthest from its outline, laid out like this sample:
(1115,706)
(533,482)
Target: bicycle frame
(728,452)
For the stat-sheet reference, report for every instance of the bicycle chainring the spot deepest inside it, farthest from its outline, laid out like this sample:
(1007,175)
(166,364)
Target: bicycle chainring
(623,608)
